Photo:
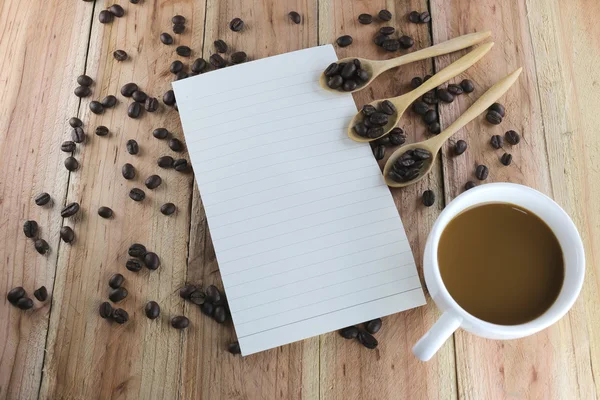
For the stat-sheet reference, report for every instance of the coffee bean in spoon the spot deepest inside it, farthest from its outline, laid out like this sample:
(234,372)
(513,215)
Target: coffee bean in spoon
(178,28)
(152,310)
(365,19)
(15,294)
(344,41)
(512,137)
(24,303)
(120,55)
(109,101)
(151,260)
(82,91)
(67,234)
(133,265)
(153,181)
(428,199)
(132,147)
(136,194)
(41,246)
(168,208)
(101,130)
(374,326)
(137,250)
(384,15)
(217,61)
(128,89)
(335,82)
(128,171)
(116,281)
(71,164)
(105,212)
(180,322)
(85,80)
(460,147)
(506,159)
(387,107)
(105,310)
(236,24)
(151,104)
(169,98)
(75,122)
(105,17)
(295,17)
(183,51)
(120,316)
(70,210)
(116,10)
(481,172)
(134,110)
(165,162)
(165,38)
(176,66)
(30,228)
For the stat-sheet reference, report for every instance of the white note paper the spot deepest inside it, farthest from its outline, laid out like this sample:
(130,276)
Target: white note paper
(306,233)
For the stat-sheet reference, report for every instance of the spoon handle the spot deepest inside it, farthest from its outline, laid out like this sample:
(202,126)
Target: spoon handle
(482,104)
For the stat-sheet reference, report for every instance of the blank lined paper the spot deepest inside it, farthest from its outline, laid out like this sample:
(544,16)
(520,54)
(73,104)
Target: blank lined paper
(306,233)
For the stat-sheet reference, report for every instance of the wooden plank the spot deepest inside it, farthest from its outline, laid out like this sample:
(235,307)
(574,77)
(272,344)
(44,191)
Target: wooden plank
(43,49)
(208,371)
(347,369)
(89,357)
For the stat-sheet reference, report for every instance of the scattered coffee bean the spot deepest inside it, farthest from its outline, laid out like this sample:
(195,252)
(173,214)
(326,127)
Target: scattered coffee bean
(197,297)
(41,246)
(178,28)
(24,303)
(234,348)
(105,310)
(445,96)
(506,159)
(414,17)
(374,326)
(136,194)
(42,199)
(499,108)
(435,128)
(151,104)
(467,85)
(295,17)
(207,309)
(460,147)
(175,145)
(120,55)
(181,75)
(169,98)
(168,208)
(220,314)
(379,39)
(165,162)
(75,122)
(430,98)
(78,135)
(217,61)
(350,332)
(153,182)
(137,250)
(160,133)
(105,212)
(165,38)
(128,171)
(424,17)
(109,101)
(116,281)
(344,41)
(105,17)
(379,152)
(180,322)
(430,117)
(128,89)
(481,172)
(213,294)
(101,130)
(236,24)
(497,141)
(367,340)
(139,96)
(220,46)
(71,164)
(133,265)
(384,15)
(82,91)
(416,82)
(69,210)
(152,310)
(151,261)
(365,19)
(181,165)
(134,110)
(455,89)
(178,19)
(512,137)
(183,51)
(176,66)
(470,185)
(118,294)
(120,316)
(387,107)
(238,57)
(406,42)
(186,291)
(132,147)
(428,199)
(116,10)
(391,45)
(420,107)
(67,234)
(15,294)
(30,228)
(96,107)
(493,117)
(68,146)
(397,137)
(134,1)
(199,65)
(85,80)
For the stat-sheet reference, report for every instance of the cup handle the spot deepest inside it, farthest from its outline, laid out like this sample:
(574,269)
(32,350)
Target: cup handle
(431,342)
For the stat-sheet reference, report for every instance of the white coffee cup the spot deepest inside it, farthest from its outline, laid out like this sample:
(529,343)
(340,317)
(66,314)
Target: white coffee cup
(454,316)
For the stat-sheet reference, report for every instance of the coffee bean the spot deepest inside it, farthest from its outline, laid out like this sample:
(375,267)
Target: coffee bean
(180,322)
(101,130)
(391,45)
(379,39)
(234,348)
(75,122)
(42,199)
(497,141)
(151,104)
(116,281)
(445,96)
(512,137)
(421,154)
(105,212)
(71,164)
(295,17)
(220,46)
(236,24)
(207,309)
(152,310)
(181,165)
(367,340)
(430,98)
(178,28)
(350,332)
(85,80)
(67,234)
(374,132)
(470,185)
(165,38)
(416,82)
(213,294)
(109,101)
(199,65)
(178,19)
(153,182)
(365,19)
(128,89)
(506,159)
(132,147)
(493,117)
(481,172)
(349,85)
(183,51)
(169,98)
(70,210)
(186,291)
(136,194)
(41,246)
(139,96)
(105,310)
(335,82)
(176,145)
(116,10)
(151,261)
(396,139)
(220,314)
(15,294)
(165,162)
(168,208)
(387,107)
(134,1)
(118,294)
(368,110)
(24,303)
(217,61)
(384,15)
(460,147)
(373,326)
(160,133)
(414,17)
(379,152)
(467,85)
(134,110)
(379,119)
(424,17)
(120,55)
(455,89)
(344,41)
(181,75)
(30,228)
(428,199)
(120,316)
(499,108)
(420,107)
(435,128)
(348,71)
(133,265)
(137,250)
(238,57)
(406,42)
(128,171)
(82,91)
(105,17)
(197,297)
(78,135)
(96,107)
(430,117)
(68,146)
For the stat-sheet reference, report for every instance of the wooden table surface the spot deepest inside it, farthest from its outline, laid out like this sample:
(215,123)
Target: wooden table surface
(62,349)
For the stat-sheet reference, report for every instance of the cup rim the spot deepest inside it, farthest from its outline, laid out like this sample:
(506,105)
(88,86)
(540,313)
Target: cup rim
(431,265)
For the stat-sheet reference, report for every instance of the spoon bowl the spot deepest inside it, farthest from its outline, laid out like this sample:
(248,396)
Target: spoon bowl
(370,66)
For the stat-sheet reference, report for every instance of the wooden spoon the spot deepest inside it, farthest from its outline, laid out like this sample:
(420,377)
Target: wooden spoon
(434,144)
(376,67)
(403,102)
